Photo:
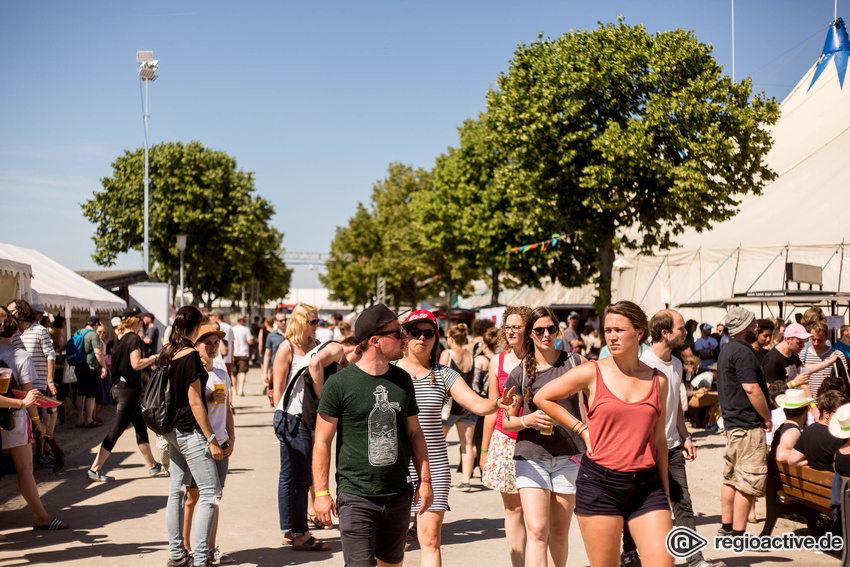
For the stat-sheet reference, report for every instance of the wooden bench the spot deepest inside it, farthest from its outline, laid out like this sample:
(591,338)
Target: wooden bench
(806,492)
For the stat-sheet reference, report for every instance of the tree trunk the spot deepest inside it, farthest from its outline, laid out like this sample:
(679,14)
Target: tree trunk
(196,287)
(606,268)
(494,286)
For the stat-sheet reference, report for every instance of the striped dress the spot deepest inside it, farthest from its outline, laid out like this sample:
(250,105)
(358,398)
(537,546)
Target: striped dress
(430,399)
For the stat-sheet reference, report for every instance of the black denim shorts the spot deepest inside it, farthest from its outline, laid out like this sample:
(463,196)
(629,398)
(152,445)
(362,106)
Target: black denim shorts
(603,492)
(373,528)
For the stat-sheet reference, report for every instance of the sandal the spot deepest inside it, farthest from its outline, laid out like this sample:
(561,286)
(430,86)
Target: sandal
(311,544)
(411,534)
(55,524)
(318,524)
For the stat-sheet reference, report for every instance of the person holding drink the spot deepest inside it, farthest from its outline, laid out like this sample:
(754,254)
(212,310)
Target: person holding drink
(547,455)
(18,441)
(218,394)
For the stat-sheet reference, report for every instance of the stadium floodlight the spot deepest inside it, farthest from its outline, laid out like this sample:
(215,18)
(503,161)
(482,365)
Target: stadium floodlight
(147,74)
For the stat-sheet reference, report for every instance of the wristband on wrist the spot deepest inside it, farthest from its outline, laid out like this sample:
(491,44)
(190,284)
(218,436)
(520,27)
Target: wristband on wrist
(323,493)
(210,440)
(522,421)
(425,479)
(792,383)
(485,450)
(22,404)
(578,425)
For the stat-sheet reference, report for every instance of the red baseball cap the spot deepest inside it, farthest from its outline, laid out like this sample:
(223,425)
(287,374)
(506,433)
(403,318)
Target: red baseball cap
(419,316)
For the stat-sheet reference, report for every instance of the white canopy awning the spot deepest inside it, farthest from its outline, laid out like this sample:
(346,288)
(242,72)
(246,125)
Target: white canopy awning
(58,286)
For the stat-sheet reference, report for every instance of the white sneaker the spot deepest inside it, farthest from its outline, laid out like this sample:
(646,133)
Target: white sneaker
(216,556)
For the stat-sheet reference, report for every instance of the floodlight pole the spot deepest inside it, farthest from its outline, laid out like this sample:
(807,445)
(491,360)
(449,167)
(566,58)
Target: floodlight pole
(147,265)
(147,74)
(181,246)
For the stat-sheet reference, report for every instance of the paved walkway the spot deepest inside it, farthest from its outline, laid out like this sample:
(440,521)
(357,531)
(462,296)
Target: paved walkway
(122,523)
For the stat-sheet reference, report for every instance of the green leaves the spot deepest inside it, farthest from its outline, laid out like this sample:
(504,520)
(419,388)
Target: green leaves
(201,193)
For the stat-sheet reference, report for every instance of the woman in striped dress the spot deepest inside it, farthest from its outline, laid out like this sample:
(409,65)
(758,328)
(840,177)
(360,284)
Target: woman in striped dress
(433,384)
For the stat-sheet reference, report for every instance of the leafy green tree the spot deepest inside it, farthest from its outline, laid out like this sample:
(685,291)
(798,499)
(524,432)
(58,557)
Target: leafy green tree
(625,139)
(482,221)
(198,192)
(381,241)
(351,268)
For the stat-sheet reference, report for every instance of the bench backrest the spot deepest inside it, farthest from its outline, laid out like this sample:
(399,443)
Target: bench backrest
(812,487)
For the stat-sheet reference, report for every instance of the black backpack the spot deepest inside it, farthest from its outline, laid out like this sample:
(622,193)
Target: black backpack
(157,402)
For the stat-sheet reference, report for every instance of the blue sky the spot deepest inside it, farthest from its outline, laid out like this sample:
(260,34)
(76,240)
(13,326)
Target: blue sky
(316,98)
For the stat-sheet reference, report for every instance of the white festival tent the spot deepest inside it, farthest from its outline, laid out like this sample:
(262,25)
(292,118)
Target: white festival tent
(57,287)
(800,217)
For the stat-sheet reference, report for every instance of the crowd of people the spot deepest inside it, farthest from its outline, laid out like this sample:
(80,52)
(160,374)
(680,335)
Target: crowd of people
(560,427)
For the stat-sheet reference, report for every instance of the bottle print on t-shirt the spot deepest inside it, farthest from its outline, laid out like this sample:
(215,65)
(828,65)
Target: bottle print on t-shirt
(383,435)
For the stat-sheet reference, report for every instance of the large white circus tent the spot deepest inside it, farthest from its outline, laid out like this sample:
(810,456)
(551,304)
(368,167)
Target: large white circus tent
(800,217)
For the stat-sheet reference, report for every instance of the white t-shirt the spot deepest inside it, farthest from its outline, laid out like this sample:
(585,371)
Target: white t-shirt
(241,336)
(324,335)
(218,412)
(228,338)
(20,363)
(673,371)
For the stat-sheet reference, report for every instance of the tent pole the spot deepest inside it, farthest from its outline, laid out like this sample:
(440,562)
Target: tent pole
(735,277)
(765,271)
(840,267)
(717,269)
(652,281)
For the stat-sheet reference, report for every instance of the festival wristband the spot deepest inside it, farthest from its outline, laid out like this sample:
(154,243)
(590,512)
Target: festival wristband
(485,450)
(792,383)
(425,479)
(323,493)
(522,421)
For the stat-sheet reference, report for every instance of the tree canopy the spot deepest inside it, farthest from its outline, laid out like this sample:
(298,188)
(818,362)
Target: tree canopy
(198,192)
(624,139)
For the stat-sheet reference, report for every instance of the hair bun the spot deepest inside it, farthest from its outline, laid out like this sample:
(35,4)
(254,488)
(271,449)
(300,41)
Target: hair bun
(463,327)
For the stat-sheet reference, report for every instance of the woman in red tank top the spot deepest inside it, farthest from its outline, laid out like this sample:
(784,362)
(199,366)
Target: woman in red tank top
(497,445)
(623,477)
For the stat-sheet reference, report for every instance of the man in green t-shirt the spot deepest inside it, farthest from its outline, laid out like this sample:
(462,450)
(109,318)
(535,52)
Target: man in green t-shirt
(372,407)
(89,373)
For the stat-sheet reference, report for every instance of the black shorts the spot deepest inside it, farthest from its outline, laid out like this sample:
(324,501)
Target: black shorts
(86,380)
(604,492)
(240,364)
(373,528)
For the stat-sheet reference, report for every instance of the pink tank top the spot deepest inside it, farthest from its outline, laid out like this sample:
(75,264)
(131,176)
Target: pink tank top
(502,376)
(622,434)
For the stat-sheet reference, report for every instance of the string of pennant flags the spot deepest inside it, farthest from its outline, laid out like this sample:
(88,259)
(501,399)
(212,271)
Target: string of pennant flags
(430,280)
(552,242)
(543,245)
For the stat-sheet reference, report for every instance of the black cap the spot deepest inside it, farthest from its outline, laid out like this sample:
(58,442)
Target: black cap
(131,311)
(92,320)
(371,320)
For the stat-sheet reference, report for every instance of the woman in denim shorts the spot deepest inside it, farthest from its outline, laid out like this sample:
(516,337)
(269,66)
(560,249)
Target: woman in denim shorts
(546,457)
(623,475)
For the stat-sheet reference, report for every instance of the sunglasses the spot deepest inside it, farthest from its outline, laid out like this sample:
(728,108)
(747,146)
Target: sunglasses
(397,334)
(553,329)
(314,322)
(416,333)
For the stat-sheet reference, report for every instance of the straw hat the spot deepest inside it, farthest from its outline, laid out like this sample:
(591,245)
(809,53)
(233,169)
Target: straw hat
(839,423)
(794,399)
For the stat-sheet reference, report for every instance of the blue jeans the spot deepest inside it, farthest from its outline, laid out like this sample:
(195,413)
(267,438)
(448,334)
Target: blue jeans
(296,476)
(187,462)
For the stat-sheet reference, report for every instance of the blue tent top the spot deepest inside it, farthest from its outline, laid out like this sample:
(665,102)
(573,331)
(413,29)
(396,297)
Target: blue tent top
(836,47)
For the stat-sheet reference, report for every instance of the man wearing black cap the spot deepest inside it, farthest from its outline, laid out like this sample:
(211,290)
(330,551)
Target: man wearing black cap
(373,406)
(92,369)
